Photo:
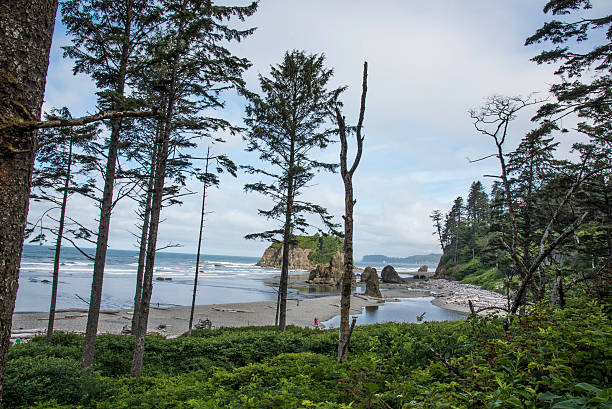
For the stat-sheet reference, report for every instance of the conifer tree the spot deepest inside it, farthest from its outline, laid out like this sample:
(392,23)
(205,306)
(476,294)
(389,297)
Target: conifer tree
(284,125)
(191,69)
(26,29)
(107,38)
(54,181)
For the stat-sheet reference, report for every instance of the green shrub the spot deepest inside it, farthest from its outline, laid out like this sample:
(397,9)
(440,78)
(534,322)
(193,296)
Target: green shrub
(551,358)
(29,379)
(490,279)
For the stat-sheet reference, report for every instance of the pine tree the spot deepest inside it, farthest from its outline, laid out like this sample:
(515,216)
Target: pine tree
(54,181)
(24,58)
(191,69)
(108,36)
(284,125)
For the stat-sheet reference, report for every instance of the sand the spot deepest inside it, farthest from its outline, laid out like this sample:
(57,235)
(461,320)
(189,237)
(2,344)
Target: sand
(174,321)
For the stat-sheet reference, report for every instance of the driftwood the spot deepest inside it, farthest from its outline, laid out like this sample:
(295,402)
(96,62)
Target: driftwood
(230,310)
(65,317)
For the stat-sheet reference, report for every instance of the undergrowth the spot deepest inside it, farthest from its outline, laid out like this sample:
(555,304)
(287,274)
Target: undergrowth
(551,358)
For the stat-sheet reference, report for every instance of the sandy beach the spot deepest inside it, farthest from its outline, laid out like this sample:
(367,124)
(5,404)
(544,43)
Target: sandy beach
(173,321)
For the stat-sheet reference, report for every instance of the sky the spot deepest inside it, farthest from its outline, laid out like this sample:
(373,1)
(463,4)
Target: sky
(429,63)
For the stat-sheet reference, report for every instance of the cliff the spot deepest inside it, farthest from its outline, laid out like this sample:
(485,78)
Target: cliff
(307,253)
(298,258)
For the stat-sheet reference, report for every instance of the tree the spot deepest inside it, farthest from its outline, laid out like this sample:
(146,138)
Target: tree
(583,58)
(207,179)
(108,36)
(24,58)
(347,177)
(493,119)
(284,126)
(191,69)
(53,176)
(436,218)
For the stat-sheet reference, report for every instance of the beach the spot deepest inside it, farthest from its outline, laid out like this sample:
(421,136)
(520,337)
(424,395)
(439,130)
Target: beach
(232,292)
(174,320)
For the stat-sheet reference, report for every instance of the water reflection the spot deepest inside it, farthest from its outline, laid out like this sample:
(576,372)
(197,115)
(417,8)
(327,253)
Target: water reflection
(404,310)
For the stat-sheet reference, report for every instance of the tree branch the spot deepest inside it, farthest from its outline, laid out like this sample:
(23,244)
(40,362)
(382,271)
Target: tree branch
(57,123)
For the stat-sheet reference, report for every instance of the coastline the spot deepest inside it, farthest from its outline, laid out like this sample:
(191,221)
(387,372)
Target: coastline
(173,321)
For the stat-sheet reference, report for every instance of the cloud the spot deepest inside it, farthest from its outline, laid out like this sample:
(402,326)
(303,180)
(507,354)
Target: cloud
(429,63)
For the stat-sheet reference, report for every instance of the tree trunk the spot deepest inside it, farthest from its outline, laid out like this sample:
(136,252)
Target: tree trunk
(143,237)
(58,248)
(26,29)
(95,298)
(147,287)
(197,269)
(347,276)
(158,195)
(287,236)
(344,334)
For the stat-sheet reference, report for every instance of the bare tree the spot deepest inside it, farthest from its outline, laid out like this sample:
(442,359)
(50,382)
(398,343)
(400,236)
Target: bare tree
(347,177)
(493,119)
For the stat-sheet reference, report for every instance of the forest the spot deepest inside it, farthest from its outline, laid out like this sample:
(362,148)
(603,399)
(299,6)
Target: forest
(542,235)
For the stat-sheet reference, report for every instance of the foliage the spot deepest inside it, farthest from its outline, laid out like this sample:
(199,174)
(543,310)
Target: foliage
(552,358)
(284,125)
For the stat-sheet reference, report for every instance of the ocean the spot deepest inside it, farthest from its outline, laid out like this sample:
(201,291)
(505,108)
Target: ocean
(222,279)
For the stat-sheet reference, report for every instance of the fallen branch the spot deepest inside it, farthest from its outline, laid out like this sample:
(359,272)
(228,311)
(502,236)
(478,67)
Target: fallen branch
(444,361)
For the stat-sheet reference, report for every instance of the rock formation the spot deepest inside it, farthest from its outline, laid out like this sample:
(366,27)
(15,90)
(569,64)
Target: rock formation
(370,277)
(423,269)
(389,275)
(298,258)
(329,275)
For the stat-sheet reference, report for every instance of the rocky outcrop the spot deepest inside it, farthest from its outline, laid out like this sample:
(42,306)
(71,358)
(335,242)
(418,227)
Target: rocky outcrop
(329,275)
(298,258)
(365,275)
(370,277)
(423,269)
(389,275)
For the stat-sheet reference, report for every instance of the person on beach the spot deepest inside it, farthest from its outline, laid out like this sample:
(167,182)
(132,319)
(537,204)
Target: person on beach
(316,323)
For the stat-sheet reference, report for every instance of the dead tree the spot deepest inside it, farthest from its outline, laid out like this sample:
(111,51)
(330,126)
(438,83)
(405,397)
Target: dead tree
(493,120)
(197,266)
(349,203)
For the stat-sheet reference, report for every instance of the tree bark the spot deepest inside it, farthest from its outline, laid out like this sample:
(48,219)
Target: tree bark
(197,268)
(26,29)
(144,235)
(91,329)
(158,193)
(84,120)
(349,203)
(58,248)
(287,236)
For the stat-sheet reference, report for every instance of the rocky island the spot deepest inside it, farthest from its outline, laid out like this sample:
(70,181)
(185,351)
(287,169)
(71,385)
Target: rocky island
(305,254)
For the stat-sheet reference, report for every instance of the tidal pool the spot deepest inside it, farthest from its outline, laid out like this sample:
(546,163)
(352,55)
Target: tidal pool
(403,310)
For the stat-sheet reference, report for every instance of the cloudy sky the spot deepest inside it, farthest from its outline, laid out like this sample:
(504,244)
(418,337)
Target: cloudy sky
(429,63)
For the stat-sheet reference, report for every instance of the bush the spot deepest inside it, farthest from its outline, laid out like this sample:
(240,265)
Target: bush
(552,358)
(29,379)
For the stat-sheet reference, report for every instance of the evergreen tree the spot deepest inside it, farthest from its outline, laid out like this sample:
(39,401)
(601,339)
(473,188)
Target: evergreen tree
(284,125)
(436,218)
(54,181)
(26,28)
(191,69)
(108,37)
